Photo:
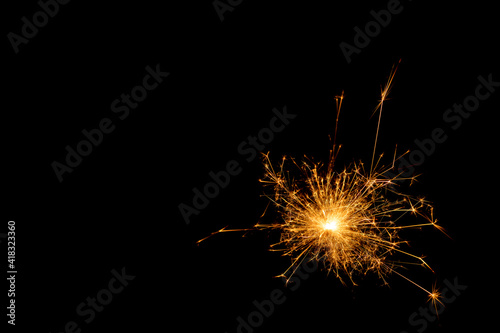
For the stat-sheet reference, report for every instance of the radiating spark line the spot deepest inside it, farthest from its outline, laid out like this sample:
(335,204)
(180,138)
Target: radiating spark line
(338,104)
(384,94)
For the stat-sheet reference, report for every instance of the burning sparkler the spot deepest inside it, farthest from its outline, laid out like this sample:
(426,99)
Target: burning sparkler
(349,219)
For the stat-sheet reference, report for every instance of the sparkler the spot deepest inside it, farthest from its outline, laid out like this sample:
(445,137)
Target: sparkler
(350,219)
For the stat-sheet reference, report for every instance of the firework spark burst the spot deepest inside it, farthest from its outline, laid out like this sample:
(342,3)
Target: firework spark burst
(350,219)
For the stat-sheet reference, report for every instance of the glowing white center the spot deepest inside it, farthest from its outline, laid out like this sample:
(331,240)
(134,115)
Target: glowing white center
(331,224)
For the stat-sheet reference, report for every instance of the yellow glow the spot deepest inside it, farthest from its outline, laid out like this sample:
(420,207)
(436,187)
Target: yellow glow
(332,224)
(361,205)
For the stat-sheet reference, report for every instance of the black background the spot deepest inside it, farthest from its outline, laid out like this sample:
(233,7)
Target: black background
(119,207)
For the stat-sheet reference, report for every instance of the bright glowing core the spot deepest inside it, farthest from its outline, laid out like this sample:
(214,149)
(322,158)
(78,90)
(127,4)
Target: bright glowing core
(331,224)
